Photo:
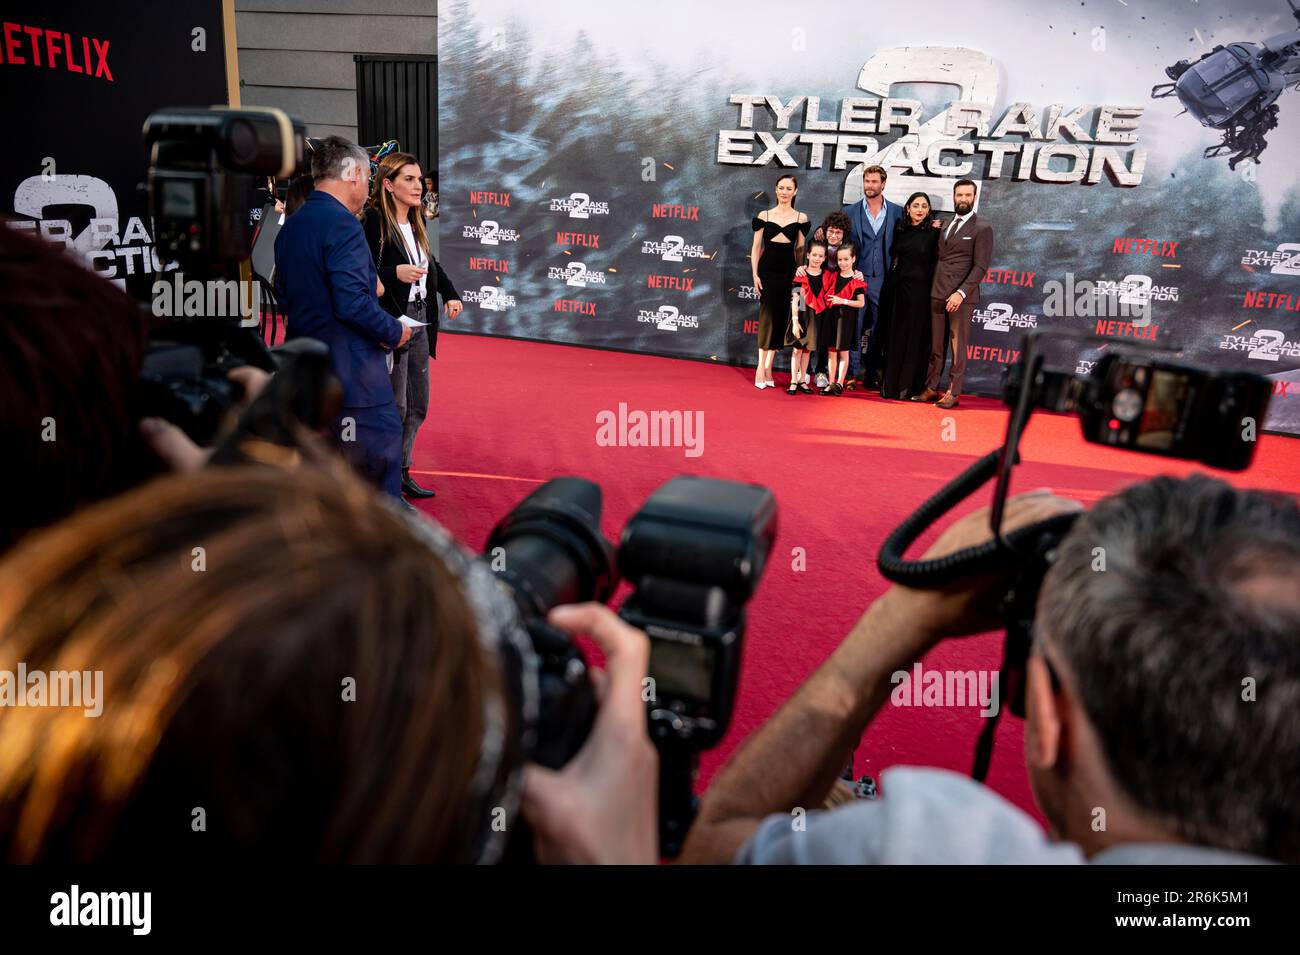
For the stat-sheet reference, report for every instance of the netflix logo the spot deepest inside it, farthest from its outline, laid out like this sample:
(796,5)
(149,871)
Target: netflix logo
(578,240)
(1276,300)
(1127,329)
(659,210)
(575,306)
(55,50)
(1158,248)
(479,264)
(489,199)
(679,283)
(991,353)
(1009,277)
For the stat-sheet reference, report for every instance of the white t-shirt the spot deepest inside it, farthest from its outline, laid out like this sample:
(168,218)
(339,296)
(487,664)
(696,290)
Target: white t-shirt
(416,256)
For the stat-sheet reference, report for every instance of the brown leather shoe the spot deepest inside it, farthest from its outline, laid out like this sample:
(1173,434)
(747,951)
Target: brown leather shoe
(947,401)
(928,395)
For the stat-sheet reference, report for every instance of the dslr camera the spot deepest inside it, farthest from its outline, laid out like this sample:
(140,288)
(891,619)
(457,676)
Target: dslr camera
(693,555)
(1134,400)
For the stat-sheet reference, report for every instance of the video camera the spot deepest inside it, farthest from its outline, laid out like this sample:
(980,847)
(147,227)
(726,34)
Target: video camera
(204,165)
(694,553)
(1133,401)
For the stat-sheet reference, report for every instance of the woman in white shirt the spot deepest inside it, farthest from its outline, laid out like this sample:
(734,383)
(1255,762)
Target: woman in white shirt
(394,227)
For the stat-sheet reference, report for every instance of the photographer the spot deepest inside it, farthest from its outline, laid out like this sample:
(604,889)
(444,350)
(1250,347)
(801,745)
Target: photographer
(326,281)
(1161,702)
(323,687)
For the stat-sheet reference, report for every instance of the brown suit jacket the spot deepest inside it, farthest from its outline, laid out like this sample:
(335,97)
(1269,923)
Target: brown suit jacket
(963,259)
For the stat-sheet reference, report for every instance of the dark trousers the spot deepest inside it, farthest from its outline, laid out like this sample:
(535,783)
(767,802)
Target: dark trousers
(948,327)
(371,441)
(410,378)
(868,321)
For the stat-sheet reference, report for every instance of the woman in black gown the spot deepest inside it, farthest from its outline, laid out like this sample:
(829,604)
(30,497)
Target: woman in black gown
(779,235)
(905,300)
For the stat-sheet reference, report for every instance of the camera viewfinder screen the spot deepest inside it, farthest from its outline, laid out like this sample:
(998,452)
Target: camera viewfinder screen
(681,670)
(1163,405)
(180,198)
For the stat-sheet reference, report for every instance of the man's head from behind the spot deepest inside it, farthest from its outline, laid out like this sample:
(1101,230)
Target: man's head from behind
(1165,687)
(342,168)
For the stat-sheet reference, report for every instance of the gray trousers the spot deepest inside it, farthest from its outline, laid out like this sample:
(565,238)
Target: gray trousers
(410,378)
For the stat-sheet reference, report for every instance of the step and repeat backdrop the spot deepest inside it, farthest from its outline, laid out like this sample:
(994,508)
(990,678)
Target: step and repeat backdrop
(599,170)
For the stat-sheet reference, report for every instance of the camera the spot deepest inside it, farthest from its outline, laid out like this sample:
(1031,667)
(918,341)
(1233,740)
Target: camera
(1133,400)
(203,169)
(1136,402)
(694,554)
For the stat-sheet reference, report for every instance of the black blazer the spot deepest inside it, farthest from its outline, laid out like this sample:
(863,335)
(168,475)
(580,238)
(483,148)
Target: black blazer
(397,293)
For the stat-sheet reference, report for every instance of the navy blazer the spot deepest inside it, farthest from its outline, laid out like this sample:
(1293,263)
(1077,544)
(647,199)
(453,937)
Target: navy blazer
(862,226)
(325,284)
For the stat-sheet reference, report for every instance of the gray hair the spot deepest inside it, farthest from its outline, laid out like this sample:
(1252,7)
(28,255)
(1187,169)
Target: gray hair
(1184,648)
(333,155)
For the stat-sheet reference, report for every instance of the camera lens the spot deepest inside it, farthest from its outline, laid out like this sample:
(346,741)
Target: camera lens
(242,141)
(550,550)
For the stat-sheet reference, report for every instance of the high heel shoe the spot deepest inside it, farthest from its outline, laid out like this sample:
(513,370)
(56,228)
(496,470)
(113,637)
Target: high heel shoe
(839,389)
(793,389)
(803,387)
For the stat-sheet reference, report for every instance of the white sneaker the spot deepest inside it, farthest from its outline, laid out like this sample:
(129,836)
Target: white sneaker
(822,380)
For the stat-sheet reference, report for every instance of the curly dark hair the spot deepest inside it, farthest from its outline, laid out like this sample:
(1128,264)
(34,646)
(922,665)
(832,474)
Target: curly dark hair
(836,220)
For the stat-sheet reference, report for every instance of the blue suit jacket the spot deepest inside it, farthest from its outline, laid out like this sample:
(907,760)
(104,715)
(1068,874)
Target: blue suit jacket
(325,283)
(862,227)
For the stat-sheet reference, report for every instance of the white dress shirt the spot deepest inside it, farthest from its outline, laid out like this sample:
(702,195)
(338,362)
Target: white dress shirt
(956,223)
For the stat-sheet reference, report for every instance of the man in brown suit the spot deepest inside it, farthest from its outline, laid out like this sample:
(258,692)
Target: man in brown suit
(965,250)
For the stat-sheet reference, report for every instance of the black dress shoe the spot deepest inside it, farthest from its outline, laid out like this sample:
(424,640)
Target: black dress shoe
(411,489)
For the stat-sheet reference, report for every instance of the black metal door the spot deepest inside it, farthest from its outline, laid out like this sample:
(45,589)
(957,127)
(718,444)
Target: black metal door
(397,98)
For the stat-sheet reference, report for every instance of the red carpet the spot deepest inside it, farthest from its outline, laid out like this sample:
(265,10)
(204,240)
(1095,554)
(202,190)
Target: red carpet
(506,416)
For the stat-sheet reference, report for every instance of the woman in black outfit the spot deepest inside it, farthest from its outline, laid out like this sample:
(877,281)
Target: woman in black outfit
(779,235)
(394,227)
(905,300)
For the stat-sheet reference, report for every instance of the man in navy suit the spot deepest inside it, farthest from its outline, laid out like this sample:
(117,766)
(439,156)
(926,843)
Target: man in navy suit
(325,282)
(873,220)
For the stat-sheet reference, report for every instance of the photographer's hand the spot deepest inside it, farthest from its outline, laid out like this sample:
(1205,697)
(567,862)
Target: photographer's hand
(795,758)
(971,605)
(603,806)
(175,448)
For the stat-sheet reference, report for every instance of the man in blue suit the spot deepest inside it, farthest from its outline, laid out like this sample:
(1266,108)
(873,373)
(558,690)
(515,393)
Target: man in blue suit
(325,282)
(873,220)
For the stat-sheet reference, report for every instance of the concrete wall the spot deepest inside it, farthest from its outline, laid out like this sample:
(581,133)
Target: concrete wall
(297,54)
